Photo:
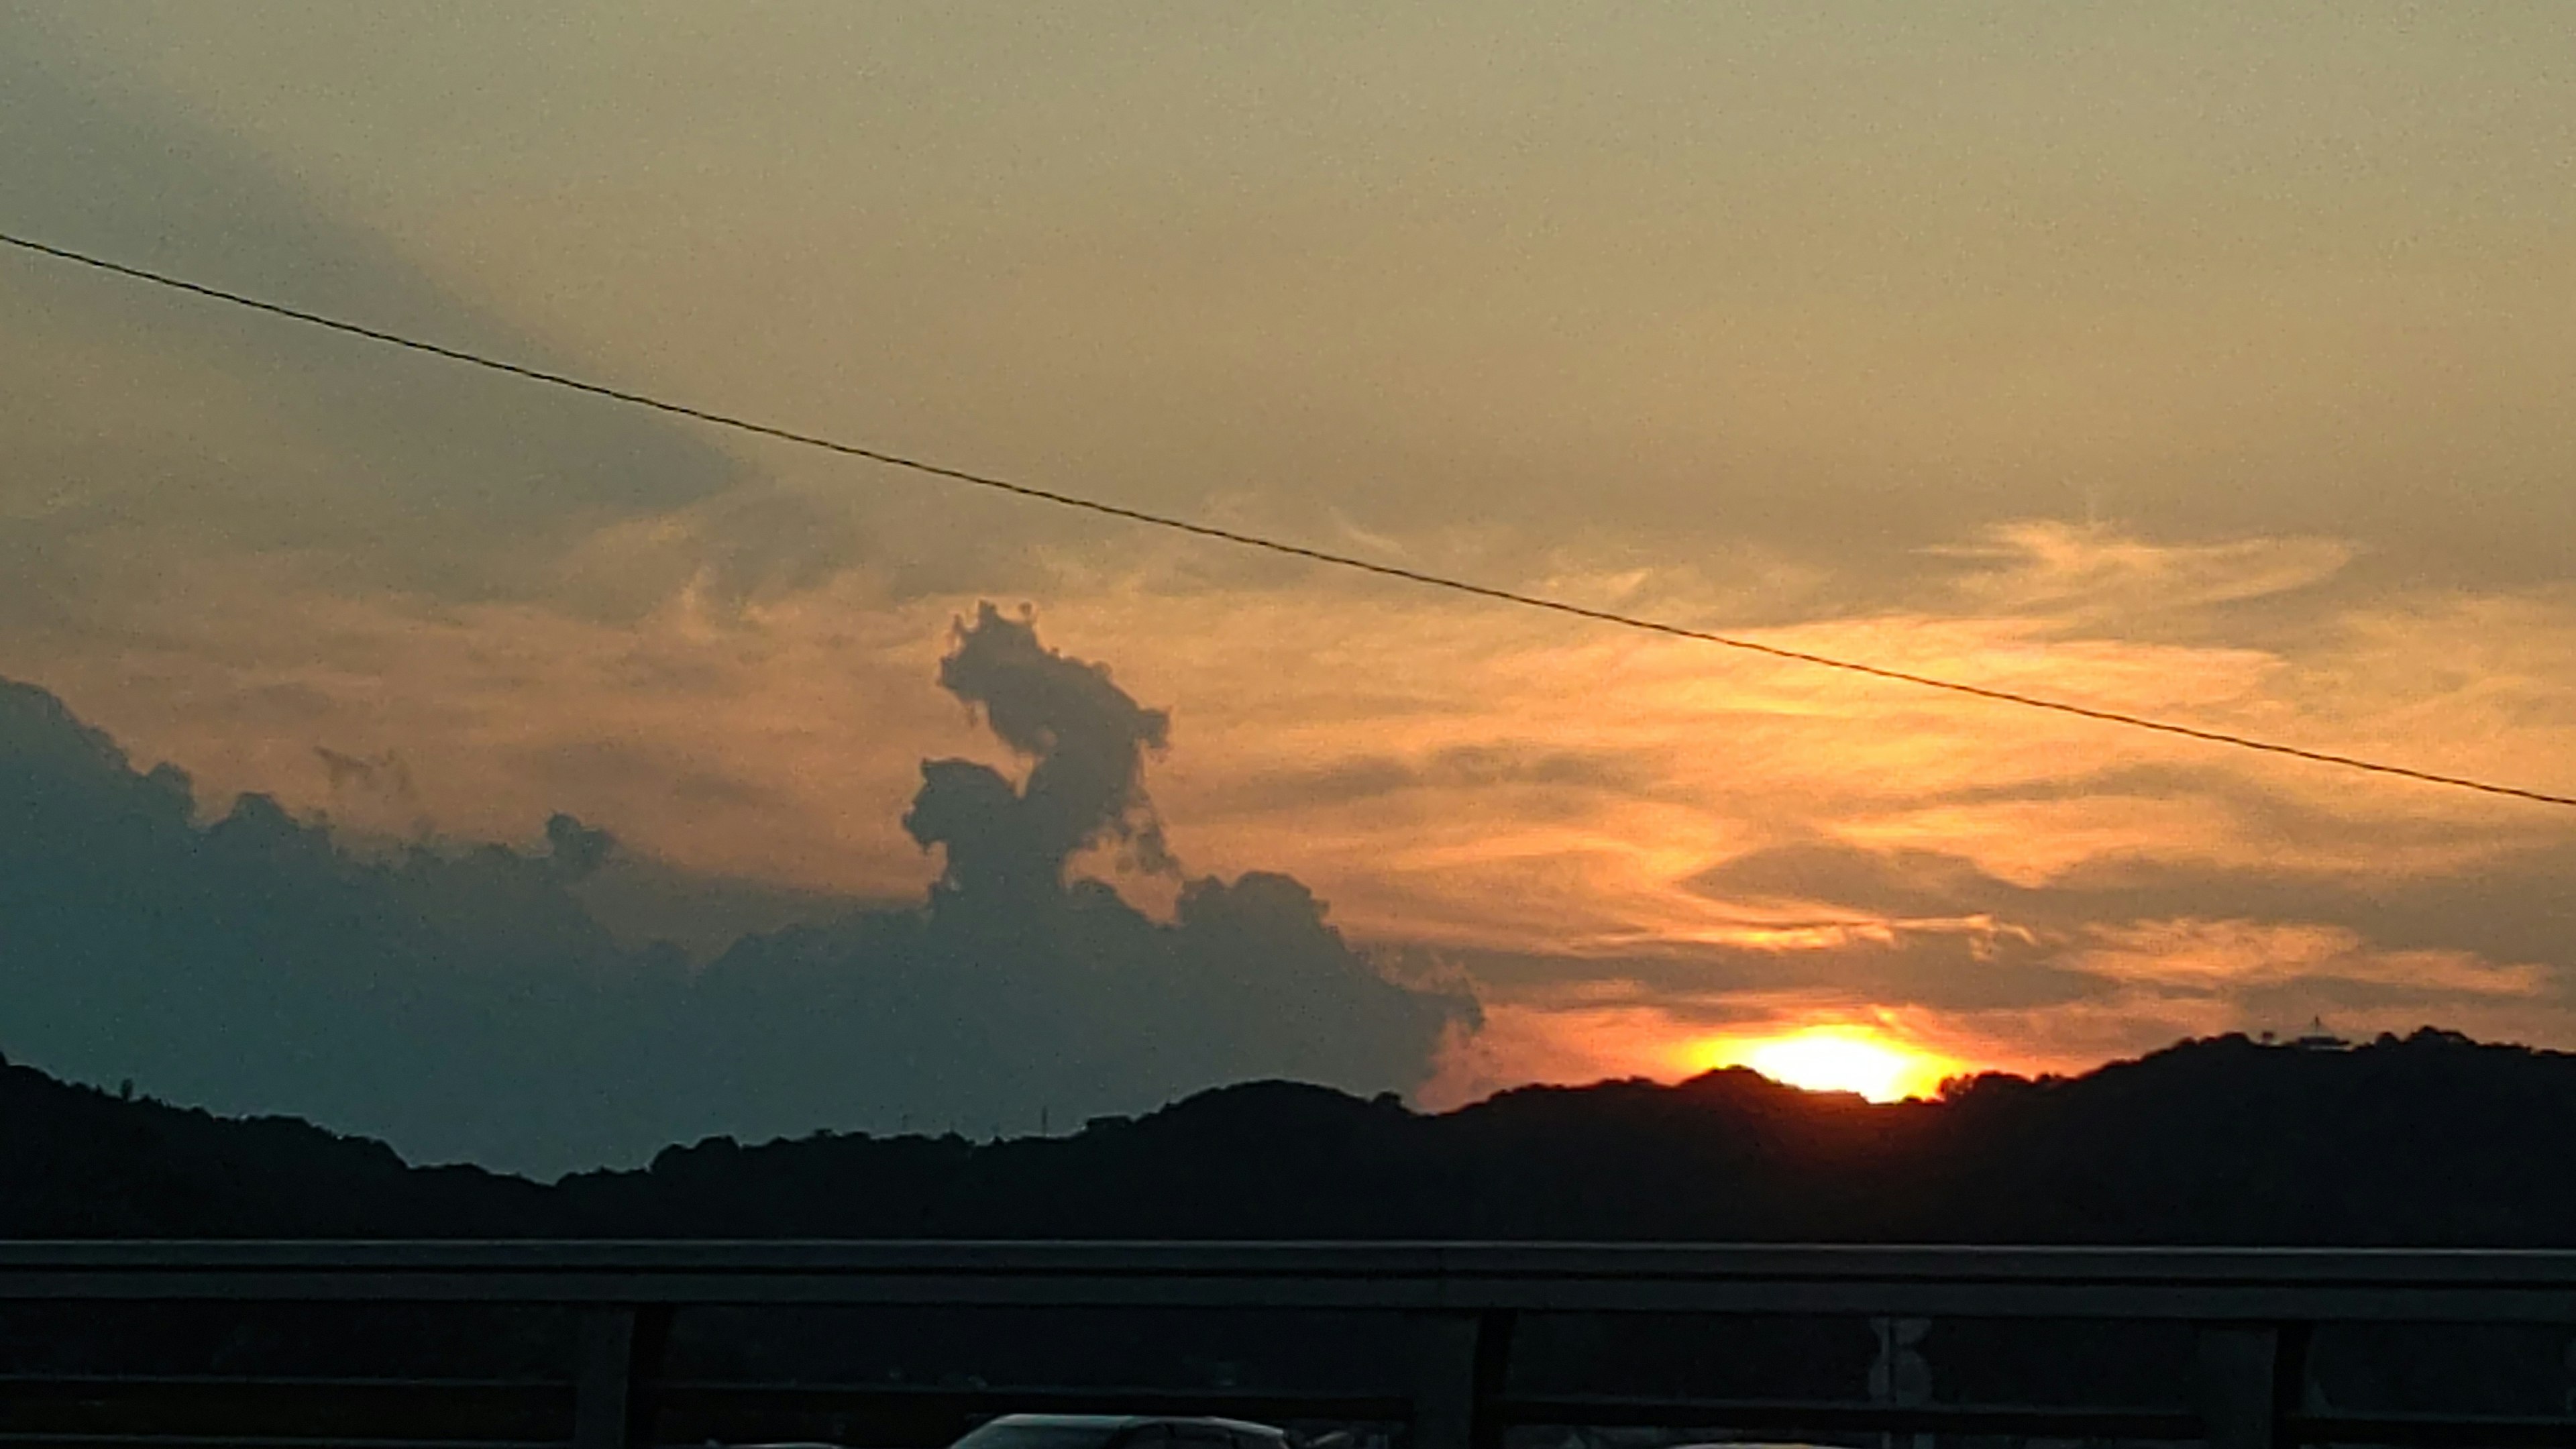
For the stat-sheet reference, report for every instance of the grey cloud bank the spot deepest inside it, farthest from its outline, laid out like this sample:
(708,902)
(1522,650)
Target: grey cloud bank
(464,1004)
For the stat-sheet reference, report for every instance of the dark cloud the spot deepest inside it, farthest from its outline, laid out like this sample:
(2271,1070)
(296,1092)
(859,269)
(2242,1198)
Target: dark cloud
(642,900)
(1870,884)
(462,1002)
(1954,938)
(574,850)
(365,780)
(1508,763)
(1087,741)
(2509,907)
(346,771)
(1950,970)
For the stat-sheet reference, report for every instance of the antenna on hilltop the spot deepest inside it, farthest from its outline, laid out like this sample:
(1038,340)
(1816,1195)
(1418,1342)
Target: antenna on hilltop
(2318,1039)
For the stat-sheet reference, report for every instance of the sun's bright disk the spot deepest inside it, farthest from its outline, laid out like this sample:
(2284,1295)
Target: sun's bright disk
(1836,1059)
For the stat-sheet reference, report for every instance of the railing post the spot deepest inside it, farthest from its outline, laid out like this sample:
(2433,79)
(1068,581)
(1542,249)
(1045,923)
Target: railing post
(621,1353)
(2253,1381)
(1460,1360)
(1900,1375)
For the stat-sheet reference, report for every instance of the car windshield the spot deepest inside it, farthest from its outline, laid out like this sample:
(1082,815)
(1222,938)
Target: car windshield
(1006,1435)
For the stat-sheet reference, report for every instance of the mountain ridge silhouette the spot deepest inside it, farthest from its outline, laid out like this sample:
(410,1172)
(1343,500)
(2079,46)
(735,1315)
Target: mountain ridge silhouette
(2426,1140)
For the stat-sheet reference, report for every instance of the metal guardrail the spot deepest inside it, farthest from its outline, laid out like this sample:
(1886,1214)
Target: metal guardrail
(2252,1312)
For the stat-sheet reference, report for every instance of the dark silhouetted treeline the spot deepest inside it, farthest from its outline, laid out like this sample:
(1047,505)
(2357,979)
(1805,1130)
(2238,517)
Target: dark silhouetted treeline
(2429,1140)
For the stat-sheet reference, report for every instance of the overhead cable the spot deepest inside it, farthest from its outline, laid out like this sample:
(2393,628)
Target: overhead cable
(1276,546)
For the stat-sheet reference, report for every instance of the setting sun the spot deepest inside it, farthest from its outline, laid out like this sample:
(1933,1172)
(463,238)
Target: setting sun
(1836,1059)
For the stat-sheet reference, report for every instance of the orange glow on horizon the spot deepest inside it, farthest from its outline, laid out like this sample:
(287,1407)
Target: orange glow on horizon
(1856,1059)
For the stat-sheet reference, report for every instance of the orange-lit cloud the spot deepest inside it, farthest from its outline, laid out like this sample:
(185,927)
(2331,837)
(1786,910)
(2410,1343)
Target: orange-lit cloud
(2213,956)
(1701,830)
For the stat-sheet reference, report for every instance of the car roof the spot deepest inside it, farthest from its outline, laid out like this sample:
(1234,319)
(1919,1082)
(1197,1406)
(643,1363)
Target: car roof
(1121,1421)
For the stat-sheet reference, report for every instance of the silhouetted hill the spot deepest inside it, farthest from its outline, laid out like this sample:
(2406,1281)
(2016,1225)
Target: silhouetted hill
(2429,1140)
(78,1162)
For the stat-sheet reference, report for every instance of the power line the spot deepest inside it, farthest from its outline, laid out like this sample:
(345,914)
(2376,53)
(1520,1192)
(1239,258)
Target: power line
(1272,545)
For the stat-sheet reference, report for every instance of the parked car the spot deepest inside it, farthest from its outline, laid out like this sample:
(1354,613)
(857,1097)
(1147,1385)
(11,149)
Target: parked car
(1119,1431)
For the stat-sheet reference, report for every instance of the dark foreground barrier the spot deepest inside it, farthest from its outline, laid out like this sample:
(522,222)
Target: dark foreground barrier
(1450,1345)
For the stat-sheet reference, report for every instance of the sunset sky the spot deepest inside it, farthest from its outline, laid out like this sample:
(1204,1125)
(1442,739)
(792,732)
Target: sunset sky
(2205,361)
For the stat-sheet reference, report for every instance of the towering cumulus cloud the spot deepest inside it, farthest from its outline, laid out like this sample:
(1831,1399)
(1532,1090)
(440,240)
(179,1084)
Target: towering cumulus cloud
(1088,741)
(461,1002)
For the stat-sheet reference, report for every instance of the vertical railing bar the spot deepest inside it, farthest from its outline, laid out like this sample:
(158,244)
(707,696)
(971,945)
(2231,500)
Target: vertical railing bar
(646,1350)
(2290,1342)
(1491,1376)
(602,1384)
(1447,1371)
(620,1358)
(2249,1388)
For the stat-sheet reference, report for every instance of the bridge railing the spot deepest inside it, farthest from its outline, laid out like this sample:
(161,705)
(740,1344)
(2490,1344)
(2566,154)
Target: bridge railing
(2252,1314)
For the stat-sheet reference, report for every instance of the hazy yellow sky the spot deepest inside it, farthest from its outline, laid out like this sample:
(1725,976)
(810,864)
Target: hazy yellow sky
(2203,360)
